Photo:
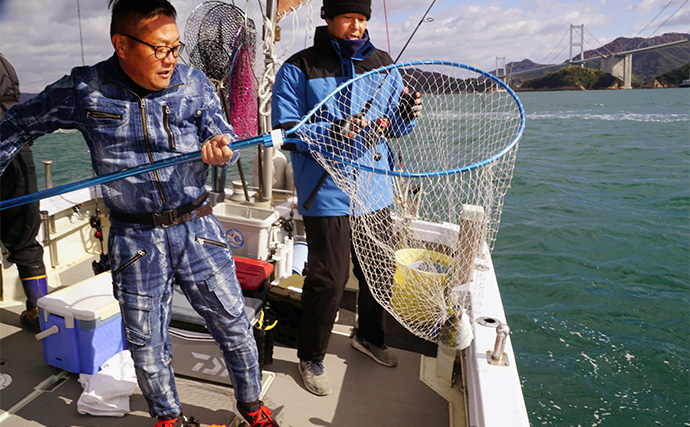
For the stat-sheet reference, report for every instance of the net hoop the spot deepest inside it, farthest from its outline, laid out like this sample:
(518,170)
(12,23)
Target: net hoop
(509,145)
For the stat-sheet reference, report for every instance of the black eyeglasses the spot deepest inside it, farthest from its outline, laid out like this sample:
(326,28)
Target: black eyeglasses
(160,52)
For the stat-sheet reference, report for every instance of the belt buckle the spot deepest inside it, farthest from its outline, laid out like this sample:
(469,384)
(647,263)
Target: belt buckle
(165,219)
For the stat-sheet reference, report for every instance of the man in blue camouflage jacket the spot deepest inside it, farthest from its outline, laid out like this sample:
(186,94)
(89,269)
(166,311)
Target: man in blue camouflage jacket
(137,107)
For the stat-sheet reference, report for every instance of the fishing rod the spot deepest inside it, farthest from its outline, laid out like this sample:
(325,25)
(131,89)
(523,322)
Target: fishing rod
(415,30)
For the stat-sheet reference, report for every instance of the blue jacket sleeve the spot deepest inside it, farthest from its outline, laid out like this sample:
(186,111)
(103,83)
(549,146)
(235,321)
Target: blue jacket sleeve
(290,104)
(50,110)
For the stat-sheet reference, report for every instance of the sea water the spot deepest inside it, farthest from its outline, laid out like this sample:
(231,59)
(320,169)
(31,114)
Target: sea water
(592,256)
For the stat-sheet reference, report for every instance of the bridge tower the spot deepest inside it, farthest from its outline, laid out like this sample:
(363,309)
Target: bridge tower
(574,29)
(501,72)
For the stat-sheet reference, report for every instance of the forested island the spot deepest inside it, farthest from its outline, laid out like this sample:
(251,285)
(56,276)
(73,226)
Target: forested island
(579,78)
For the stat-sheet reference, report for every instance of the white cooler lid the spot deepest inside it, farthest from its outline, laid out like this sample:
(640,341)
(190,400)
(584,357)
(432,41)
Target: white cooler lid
(88,300)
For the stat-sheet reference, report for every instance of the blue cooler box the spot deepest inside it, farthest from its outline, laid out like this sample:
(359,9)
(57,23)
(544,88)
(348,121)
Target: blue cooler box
(81,325)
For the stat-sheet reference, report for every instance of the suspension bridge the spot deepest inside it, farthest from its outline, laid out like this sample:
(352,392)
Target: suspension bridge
(619,64)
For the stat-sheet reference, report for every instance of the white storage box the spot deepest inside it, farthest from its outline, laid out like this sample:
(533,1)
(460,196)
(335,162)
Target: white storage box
(247,228)
(195,353)
(81,325)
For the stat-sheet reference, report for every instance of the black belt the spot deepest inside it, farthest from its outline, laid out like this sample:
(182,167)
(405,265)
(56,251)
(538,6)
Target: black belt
(168,217)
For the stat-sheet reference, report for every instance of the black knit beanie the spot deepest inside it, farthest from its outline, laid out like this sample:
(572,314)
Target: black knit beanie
(333,8)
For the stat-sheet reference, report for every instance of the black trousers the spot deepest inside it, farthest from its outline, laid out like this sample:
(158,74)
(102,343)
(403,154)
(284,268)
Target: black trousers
(371,313)
(328,239)
(19,225)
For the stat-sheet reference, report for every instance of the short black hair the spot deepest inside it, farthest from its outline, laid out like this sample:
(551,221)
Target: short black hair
(127,13)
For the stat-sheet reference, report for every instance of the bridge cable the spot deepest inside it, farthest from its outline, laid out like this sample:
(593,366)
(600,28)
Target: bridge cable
(663,23)
(653,19)
(559,42)
(600,44)
(596,49)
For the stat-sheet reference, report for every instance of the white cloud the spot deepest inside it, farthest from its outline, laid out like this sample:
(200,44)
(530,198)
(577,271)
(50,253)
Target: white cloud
(645,6)
(43,42)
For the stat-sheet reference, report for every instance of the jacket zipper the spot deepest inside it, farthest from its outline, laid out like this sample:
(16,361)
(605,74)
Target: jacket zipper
(142,106)
(140,253)
(166,125)
(211,242)
(102,115)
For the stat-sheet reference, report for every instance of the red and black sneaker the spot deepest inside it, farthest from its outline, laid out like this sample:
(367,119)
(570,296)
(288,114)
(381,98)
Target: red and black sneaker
(180,421)
(262,417)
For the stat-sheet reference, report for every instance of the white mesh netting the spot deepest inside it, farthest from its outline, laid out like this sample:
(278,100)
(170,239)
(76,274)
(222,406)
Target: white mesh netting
(418,230)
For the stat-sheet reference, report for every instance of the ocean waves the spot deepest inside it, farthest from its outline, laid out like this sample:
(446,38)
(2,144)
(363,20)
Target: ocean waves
(593,257)
(625,117)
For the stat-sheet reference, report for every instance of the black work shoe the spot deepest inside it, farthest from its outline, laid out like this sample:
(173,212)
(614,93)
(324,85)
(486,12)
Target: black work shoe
(380,354)
(30,318)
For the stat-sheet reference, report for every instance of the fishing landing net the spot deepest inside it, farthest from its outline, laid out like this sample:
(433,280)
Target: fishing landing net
(223,43)
(422,230)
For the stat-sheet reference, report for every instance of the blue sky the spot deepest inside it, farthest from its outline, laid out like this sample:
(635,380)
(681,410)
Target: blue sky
(41,37)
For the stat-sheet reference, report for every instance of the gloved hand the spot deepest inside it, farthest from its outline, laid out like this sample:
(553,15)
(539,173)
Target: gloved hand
(410,105)
(347,128)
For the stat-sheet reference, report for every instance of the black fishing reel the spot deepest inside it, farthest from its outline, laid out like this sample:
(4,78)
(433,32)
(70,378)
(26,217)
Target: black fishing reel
(379,128)
(103,263)
(287,224)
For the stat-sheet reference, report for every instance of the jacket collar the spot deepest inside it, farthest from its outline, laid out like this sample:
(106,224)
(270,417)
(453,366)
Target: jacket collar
(323,40)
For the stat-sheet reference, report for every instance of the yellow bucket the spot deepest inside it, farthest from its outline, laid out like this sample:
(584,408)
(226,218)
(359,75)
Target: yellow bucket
(419,285)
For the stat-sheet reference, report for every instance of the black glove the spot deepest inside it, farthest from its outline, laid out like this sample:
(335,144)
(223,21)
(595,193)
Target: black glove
(346,128)
(409,109)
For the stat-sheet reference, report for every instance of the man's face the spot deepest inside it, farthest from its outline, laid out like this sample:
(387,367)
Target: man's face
(139,61)
(347,26)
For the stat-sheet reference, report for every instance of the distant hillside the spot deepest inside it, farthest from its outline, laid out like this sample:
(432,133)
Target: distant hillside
(673,78)
(573,78)
(525,64)
(646,65)
(433,82)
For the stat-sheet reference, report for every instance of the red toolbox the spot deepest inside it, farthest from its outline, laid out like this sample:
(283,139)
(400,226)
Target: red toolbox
(254,275)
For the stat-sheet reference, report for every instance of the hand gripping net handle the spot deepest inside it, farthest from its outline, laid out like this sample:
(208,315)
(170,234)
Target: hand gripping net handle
(275,138)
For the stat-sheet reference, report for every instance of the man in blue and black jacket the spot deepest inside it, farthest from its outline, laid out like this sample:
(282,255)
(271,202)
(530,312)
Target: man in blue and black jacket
(341,51)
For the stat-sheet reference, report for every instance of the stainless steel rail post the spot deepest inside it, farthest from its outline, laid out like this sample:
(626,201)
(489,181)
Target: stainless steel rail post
(48,220)
(49,175)
(498,356)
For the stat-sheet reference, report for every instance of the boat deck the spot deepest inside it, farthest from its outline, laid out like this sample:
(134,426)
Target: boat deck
(32,393)
(364,393)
